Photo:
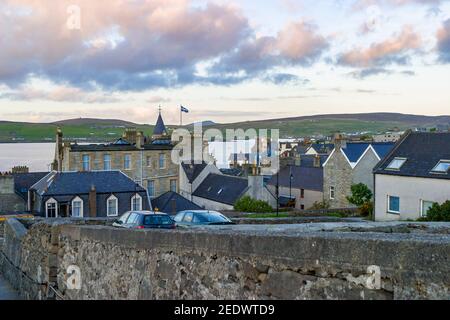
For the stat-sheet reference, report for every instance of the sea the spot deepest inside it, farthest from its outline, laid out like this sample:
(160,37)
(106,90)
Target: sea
(36,156)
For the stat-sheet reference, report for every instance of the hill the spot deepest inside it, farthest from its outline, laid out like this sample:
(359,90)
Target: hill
(100,130)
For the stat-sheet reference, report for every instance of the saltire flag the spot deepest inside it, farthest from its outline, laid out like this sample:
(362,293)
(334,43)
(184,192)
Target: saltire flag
(183,109)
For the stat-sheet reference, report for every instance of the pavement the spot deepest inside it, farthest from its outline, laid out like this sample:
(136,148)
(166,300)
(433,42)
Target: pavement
(6,291)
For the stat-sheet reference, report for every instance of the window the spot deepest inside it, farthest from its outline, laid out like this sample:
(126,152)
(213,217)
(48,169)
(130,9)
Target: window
(393,204)
(173,185)
(157,220)
(162,161)
(107,162)
(124,217)
(136,203)
(112,206)
(442,167)
(151,188)
(51,208)
(127,162)
(302,193)
(425,207)
(332,193)
(86,162)
(133,218)
(396,164)
(77,207)
(149,161)
(302,207)
(188,217)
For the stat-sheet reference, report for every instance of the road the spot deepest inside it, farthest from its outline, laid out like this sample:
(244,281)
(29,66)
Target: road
(6,292)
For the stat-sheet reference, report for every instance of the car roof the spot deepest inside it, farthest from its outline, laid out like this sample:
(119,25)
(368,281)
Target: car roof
(200,211)
(149,213)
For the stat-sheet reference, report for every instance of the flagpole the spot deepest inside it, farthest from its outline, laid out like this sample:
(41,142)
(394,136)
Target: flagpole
(181,117)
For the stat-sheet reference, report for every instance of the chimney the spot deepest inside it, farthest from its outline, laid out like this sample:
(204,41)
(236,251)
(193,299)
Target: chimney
(339,141)
(317,161)
(140,140)
(93,202)
(298,160)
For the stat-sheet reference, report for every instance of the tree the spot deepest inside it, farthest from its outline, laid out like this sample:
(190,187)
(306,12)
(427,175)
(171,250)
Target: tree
(361,194)
(439,212)
(362,198)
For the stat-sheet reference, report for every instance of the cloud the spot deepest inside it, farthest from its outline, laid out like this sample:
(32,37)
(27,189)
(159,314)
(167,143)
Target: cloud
(393,50)
(362,4)
(370,72)
(443,44)
(124,45)
(297,44)
(58,94)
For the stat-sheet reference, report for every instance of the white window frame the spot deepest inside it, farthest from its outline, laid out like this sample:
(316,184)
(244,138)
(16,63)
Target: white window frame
(148,161)
(332,192)
(176,185)
(438,164)
(51,200)
(397,159)
(164,161)
(78,199)
(136,196)
(104,162)
(130,167)
(152,195)
(88,162)
(389,205)
(422,214)
(112,197)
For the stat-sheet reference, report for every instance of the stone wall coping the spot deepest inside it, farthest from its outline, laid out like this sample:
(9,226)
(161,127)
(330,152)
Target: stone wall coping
(18,228)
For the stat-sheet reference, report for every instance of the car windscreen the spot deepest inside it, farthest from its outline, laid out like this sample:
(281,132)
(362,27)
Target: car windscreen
(157,220)
(209,218)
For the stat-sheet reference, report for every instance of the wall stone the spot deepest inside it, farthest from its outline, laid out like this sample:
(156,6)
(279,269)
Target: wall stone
(337,173)
(236,263)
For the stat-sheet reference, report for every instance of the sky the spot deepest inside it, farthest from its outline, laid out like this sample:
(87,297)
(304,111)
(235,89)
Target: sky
(226,61)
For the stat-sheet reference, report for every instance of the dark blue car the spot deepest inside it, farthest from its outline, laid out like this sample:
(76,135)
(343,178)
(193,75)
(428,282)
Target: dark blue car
(145,220)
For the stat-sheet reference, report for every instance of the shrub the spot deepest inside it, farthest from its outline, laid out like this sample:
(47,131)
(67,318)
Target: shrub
(320,205)
(248,204)
(439,212)
(362,197)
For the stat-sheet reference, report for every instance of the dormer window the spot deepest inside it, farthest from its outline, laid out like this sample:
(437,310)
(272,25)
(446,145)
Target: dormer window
(396,164)
(442,167)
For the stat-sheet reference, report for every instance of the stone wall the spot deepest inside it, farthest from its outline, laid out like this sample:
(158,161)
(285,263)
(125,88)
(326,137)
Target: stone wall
(241,262)
(10,202)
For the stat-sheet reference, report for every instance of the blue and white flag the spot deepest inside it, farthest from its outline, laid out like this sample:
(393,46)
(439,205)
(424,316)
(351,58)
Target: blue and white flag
(183,109)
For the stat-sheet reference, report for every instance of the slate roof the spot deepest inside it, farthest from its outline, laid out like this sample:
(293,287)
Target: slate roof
(118,147)
(160,128)
(307,160)
(221,188)
(71,183)
(24,181)
(323,147)
(423,151)
(193,170)
(303,178)
(232,172)
(171,200)
(354,151)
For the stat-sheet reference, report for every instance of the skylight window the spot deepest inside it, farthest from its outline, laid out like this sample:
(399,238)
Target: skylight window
(442,167)
(396,164)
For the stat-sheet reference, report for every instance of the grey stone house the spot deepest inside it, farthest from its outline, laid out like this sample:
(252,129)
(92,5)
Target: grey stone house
(86,194)
(413,176)
(349,164)
(14,190)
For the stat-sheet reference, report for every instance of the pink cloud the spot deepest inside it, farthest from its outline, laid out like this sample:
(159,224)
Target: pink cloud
(390,50)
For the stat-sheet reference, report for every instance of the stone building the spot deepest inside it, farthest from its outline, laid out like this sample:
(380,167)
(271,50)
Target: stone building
(349,164)
(14,188)
(86,194)
(146,160)
(302,183)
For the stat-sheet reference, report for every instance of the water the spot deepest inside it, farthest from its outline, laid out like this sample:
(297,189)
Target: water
(36,156)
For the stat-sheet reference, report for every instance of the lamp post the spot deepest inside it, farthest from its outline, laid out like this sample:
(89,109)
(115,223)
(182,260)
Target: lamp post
(278,192)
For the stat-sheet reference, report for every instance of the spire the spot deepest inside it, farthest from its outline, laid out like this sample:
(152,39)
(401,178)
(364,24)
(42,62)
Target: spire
(160,128)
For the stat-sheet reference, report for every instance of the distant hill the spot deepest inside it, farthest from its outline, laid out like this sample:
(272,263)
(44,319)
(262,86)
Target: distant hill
(93,121)
(87,129)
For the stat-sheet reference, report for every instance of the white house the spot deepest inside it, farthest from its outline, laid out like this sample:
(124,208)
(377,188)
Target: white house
(413,176)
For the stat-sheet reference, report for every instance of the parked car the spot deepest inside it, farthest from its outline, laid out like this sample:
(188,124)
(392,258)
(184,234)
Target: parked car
(201,217)
(145,220)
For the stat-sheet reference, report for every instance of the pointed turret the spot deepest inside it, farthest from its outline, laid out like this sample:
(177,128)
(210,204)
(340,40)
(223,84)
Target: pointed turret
(160,131)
